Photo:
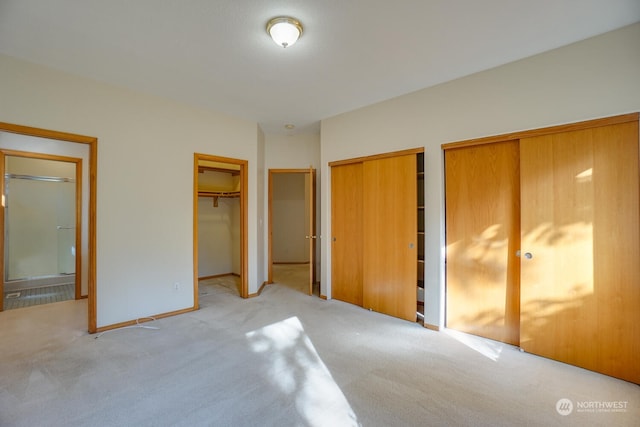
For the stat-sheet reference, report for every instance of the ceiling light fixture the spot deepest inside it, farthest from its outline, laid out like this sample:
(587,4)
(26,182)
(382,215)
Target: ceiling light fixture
(284,30)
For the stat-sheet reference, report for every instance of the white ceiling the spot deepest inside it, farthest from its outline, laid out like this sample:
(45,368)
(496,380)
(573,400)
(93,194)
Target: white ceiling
(216,53)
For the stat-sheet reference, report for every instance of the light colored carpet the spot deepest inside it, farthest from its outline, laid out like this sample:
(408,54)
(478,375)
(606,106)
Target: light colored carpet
(293,276)
(229,284)
(282,359)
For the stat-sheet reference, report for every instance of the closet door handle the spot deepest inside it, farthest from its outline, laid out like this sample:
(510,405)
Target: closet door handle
(527,255)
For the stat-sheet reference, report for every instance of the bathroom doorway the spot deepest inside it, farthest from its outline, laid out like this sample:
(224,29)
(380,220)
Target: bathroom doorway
(25,141)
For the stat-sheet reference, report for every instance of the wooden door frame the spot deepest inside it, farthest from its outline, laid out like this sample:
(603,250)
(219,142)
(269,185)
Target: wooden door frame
(311,172)
(244,257)
(92,142)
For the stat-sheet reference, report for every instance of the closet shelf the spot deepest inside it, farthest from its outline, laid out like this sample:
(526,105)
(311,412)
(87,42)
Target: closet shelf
(217,194)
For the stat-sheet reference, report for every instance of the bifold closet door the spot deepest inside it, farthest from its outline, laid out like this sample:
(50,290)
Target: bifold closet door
(483,236)
(346,233)
(390,236)
(580,268)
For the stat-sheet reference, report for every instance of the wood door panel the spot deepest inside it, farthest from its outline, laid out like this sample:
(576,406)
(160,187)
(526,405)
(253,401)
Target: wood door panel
(346,233)
(617,249)
(482,234)
(311,227)
(390,236)
(580,289)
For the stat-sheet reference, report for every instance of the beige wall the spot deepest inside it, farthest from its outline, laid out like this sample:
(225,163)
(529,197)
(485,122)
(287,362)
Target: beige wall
(297,151)
(145,180)
(594,78)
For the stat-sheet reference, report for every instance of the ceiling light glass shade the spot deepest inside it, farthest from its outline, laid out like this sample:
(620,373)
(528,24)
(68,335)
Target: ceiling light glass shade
(284,31)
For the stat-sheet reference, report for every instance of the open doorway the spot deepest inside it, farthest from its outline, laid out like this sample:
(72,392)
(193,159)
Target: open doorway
(292,235)
(220,225)
(77,234)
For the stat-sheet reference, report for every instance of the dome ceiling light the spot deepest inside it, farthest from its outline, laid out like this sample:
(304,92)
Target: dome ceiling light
(284,30)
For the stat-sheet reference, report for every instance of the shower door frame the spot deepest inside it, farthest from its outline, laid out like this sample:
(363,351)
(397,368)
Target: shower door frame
(4,153)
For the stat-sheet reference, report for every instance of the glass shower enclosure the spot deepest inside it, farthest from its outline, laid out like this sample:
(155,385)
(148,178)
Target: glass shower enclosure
(40,227)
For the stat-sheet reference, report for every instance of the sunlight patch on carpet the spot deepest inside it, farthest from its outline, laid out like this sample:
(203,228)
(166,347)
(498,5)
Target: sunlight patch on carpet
(488,348)
(296,369)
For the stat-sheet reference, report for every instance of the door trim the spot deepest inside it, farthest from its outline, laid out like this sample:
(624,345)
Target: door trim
(244,257)
(587,124)
(377,156)
(92,142)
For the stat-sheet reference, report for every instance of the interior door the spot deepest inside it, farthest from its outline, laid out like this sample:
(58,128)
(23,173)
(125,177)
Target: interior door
(580,248)
(311,205)
(346,233)
(483,235)
(390,236)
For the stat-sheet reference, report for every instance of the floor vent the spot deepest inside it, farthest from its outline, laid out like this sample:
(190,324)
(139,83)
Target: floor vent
(13,295)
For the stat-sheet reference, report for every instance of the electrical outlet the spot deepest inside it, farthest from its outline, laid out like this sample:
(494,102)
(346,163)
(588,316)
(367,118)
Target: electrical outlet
(176,286)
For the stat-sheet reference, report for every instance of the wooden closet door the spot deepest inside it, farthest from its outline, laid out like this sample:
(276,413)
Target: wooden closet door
(346,233)
(483,236)
(580,280)
(390,236)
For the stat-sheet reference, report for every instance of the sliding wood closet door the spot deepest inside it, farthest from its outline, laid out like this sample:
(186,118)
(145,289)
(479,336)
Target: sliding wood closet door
(346,233)
(482,234)
(580,281)
(390,236)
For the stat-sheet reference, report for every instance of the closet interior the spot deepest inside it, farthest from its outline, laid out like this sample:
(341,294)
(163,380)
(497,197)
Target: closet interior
(218,219)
